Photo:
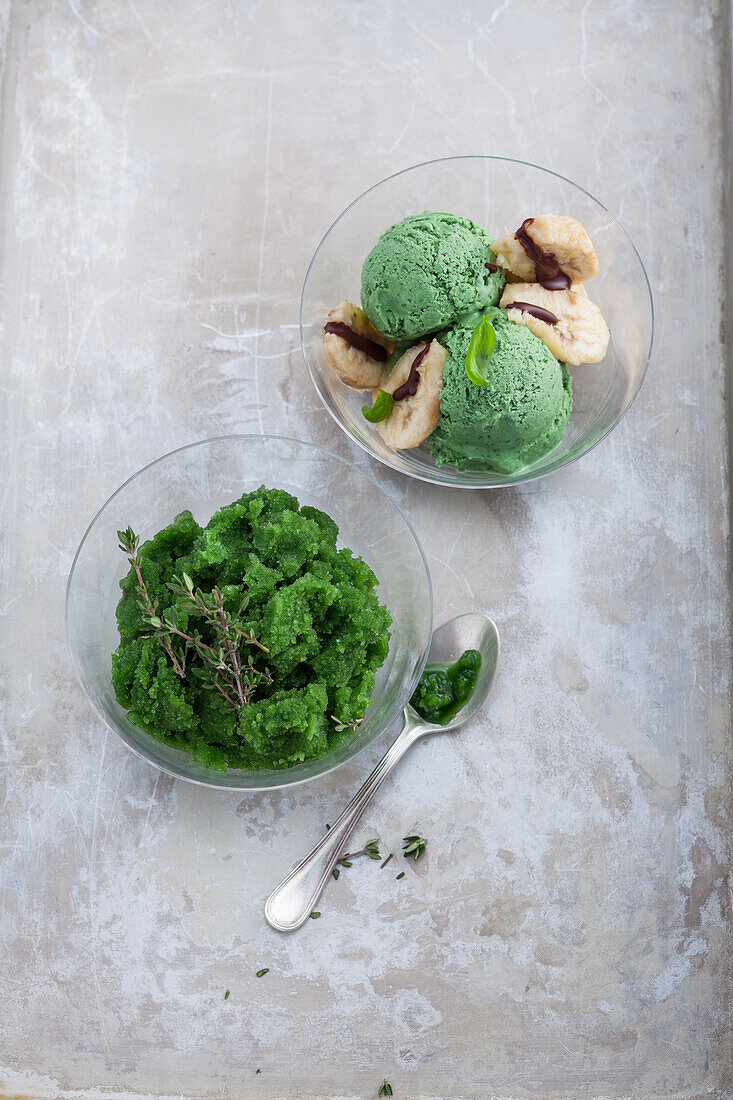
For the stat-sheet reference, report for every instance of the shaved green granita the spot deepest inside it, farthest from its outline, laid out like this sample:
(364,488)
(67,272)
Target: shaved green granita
(252,642)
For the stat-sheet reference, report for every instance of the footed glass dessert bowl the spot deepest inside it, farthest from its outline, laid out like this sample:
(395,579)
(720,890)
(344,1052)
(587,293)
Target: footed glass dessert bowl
(389,362)
(291,539)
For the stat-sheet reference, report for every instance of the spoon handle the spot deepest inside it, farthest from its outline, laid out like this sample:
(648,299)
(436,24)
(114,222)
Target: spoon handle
(291,903)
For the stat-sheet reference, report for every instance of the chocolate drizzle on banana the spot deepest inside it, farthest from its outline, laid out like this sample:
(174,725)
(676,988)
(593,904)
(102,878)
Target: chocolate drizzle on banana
(536,311)
(355,350)
(547,270)
(415,382)
(356,340)
(409,388)
(553,250)
(552,256)
(566,320)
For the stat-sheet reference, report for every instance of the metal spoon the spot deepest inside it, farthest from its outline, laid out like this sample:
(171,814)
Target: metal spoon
(291,903)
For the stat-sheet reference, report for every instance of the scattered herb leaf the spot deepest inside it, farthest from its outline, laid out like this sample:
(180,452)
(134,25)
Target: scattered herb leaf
(385,1089)
(380,409)
(261,973)
(480,350)
(413,846)
(336,872)
(401,875)
(226,995)
(315,915)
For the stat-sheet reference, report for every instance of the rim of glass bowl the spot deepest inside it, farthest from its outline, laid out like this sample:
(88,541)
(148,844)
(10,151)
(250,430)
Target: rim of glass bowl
(180,773)
(519,480)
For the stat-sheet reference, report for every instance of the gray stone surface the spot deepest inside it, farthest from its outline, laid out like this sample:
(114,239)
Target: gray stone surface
(167,170)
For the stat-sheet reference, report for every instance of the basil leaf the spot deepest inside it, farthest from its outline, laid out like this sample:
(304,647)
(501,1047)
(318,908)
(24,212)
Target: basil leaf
(381,408)
(480,350)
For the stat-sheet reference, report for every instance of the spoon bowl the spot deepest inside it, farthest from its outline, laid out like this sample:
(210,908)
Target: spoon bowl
(291,903)
(474,631)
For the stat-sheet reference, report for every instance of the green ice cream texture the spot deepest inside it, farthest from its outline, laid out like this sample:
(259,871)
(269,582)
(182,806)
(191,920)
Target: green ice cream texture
(313,606)
(427,275)
(521,413)
(427,271)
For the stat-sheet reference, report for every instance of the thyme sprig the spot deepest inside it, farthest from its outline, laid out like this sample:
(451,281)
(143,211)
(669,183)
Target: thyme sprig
(235,677)
(129,543)
(371,849)
(341,724)
(224,667)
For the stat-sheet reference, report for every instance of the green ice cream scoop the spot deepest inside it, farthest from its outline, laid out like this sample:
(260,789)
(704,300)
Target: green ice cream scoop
(520,414)
(427,271)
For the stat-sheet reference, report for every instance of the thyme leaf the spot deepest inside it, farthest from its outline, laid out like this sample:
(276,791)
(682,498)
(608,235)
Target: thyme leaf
(413,846)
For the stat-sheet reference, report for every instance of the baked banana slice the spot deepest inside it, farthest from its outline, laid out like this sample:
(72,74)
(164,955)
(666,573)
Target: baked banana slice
(551,249)
(415,382)
(566,320)
(356,351)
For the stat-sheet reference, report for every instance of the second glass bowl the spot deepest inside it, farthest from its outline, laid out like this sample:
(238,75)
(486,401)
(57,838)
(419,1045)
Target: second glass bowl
(203,477)
(497,193)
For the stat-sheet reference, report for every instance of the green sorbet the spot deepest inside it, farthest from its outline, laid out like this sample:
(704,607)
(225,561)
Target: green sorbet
(444,689)
(312,605)
(519,416)
(426,272)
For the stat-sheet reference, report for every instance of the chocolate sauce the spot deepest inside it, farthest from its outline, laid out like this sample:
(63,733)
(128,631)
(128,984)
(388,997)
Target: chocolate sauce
(536,311)
(492,268)
(409,387)
(361,343)
(547,270)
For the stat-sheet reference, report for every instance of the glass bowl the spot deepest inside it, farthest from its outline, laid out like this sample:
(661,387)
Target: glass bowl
(202,477)
(497,193)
